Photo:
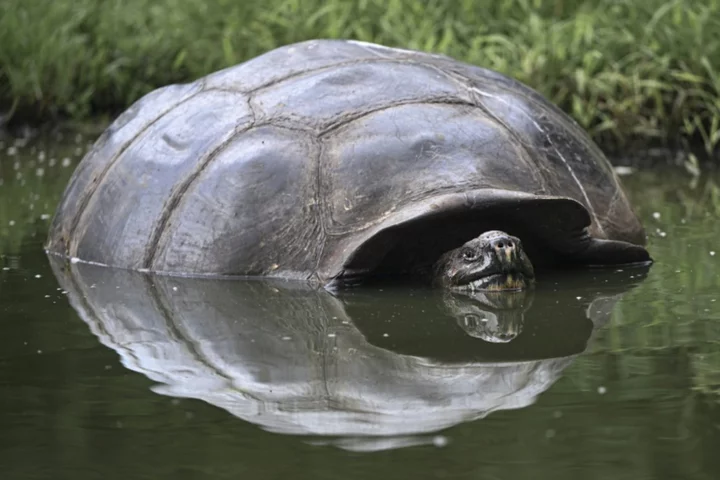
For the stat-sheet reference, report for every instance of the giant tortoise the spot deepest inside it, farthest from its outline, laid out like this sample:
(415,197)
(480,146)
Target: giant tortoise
(341,161)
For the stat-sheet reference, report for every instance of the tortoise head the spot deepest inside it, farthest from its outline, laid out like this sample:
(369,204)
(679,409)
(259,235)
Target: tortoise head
(493,261)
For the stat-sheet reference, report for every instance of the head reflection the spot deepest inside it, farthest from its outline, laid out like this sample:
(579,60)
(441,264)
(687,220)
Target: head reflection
(495,317)
(366,370)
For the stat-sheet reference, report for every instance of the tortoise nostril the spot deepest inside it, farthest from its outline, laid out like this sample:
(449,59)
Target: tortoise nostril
(502,242)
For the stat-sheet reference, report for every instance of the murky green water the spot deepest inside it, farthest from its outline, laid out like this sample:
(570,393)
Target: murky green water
(108,374)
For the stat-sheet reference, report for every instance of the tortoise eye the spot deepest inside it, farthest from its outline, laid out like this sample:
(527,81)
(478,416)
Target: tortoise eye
(469,255)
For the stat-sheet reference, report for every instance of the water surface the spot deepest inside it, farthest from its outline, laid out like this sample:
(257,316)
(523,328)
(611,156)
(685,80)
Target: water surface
(611,374)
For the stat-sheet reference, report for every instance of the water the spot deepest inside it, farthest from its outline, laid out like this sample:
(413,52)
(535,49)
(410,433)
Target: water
(110,374)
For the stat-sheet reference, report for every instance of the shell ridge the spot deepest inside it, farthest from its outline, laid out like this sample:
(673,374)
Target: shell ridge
(178,194)
(567,165)
(349,118)
(345,63)
(524,152)
(74,241)
(466,82)
(410,199)
(321,207)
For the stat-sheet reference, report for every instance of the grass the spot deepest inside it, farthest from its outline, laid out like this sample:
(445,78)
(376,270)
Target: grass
(630,72)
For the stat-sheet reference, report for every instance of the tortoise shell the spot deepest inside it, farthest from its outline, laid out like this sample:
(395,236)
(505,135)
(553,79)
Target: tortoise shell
(332,160)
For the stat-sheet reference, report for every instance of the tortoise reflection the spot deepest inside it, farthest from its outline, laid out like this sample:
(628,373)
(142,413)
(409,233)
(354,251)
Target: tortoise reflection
(495,317)
(364,370)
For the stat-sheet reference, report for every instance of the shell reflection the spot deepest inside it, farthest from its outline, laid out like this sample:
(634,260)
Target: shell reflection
(365,370)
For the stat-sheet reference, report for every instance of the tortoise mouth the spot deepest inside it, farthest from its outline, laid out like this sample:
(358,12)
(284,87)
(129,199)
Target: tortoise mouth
(496,282)
(495,272)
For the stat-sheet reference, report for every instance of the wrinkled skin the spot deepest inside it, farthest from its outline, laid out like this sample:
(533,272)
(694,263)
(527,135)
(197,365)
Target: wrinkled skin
(494,261)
